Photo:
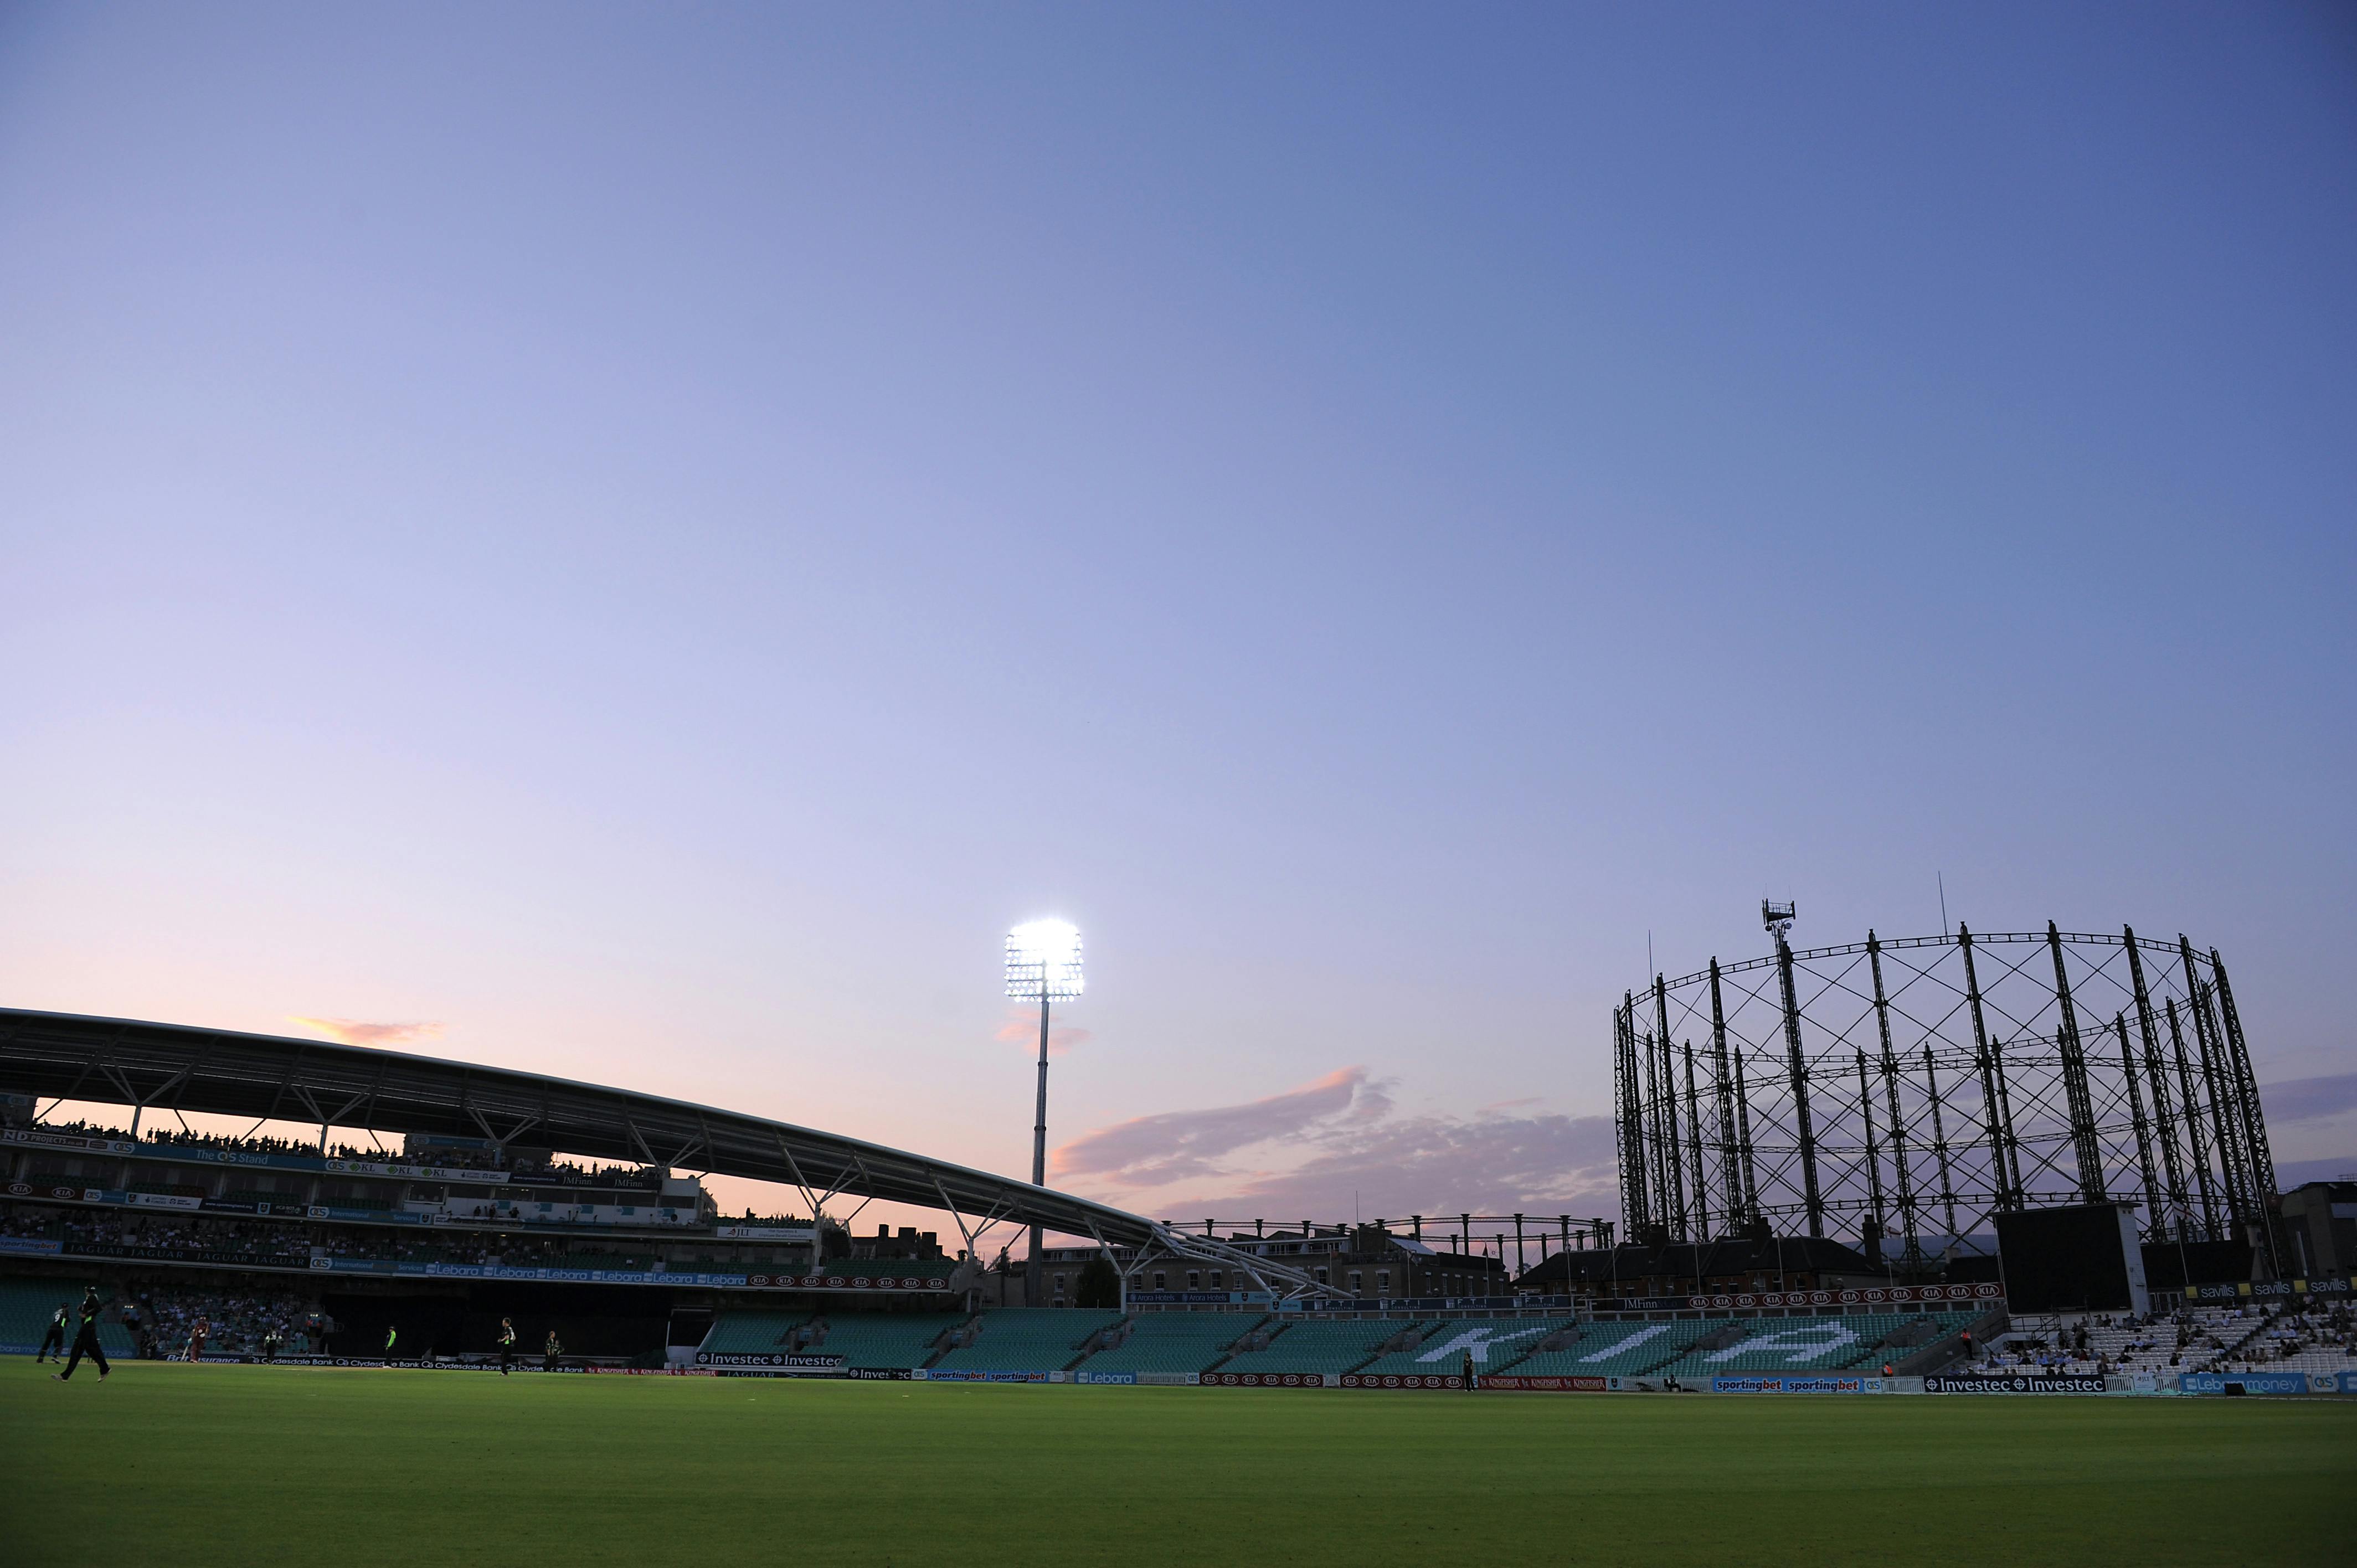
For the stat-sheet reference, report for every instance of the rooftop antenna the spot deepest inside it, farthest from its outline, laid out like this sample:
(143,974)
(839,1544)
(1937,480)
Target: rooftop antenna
(1944,900)
(1777,917)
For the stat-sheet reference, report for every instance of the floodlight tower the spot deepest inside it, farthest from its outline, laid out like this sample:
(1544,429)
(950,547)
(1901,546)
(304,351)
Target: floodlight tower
(1043,964)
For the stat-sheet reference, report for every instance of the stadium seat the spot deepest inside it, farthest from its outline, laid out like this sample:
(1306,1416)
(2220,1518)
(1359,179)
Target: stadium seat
(1804,1343)
(1624,1348)
(1029,1339)
(26,1306)
(884,1339)
(751,1333)
(1316,1347)
(1174,1342)
(1494,1342)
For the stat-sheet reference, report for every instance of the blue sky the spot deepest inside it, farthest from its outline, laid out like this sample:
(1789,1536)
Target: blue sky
(643,538)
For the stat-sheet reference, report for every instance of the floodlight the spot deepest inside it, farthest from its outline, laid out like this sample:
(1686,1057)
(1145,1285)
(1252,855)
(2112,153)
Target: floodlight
(1043,961)
(1043,965)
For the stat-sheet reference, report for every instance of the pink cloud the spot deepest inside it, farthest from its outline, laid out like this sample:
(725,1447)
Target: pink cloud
(1246,1159)
(384,1036)
(1178,1145)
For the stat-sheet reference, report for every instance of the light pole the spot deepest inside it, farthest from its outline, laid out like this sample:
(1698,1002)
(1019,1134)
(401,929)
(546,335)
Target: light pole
(1043,964)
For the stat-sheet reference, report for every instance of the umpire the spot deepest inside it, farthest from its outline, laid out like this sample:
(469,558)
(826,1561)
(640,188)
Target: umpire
(86,1340)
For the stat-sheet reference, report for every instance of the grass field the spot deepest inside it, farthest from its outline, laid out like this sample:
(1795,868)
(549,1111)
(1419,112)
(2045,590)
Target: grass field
(192,1466)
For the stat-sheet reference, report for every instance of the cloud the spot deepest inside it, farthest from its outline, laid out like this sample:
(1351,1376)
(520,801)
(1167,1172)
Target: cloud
(1181,1146)
(2309,1099)
(384,1036)
(1328,1143)
(1484,1163)
(1022,1028)
(2290,1174)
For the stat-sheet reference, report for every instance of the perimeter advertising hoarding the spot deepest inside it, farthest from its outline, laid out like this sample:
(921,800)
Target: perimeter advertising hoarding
(964,1375)
(1548,1385)
(1796,1385)
(2251,1382)
(782,1359)
(1862,1295)
(1271,1380)
(2010,1383)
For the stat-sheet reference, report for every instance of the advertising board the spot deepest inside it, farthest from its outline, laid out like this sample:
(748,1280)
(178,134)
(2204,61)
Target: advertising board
(783,1360)
(2010,1383)
(2243,1383)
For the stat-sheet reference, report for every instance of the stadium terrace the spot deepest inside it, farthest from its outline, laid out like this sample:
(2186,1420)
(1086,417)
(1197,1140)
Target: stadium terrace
(496,1209)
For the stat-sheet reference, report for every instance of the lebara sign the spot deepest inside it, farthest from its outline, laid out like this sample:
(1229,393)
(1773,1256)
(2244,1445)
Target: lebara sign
(2246,1383)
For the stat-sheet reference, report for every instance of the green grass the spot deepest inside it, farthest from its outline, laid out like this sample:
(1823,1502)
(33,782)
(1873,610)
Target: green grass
(183,1465)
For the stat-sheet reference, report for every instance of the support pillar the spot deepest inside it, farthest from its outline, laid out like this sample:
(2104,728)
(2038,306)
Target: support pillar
(1743,1143)
(2256,1148)
(1672,1163)
(2230,1164)
(2157,1229)
(1873,1154)
(1913,1252)
(1993,1105)
(2196,1139)
(1940,1141)
(1731,1175)
(1797,1064)
(1694,1148)
(2086,1147)
(2164,1119)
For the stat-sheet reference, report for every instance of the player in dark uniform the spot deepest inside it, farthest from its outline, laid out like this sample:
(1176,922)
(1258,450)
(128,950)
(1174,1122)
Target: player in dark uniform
(55,1339)
(1467,1373)
(550,1352)
(197,1337)
(507,1346)
(86,1340)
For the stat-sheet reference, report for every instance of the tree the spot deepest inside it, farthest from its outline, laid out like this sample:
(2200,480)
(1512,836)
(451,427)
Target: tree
(1097,1285)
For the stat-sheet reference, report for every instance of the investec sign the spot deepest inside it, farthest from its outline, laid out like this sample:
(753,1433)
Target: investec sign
(779,1359)
(2011,1384)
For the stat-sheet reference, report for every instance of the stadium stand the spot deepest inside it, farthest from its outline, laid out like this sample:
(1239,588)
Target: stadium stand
(1805,1344)
(1318,1347)
(887,1339)
(752,1333)
(1172,1342)
(1493,1343)
(1622,1349)
(1028,1340)
(2317,1339)
(26,1306)
(239,1320)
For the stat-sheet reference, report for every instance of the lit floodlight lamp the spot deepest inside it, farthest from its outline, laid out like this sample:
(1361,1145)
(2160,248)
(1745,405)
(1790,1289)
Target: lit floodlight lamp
(1043,965)
(1043,961)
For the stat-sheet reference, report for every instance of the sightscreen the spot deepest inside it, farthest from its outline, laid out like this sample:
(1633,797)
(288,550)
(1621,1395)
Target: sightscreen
(2080,1258)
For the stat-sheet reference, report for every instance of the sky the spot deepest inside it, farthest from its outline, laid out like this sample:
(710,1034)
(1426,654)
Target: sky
(634,542)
